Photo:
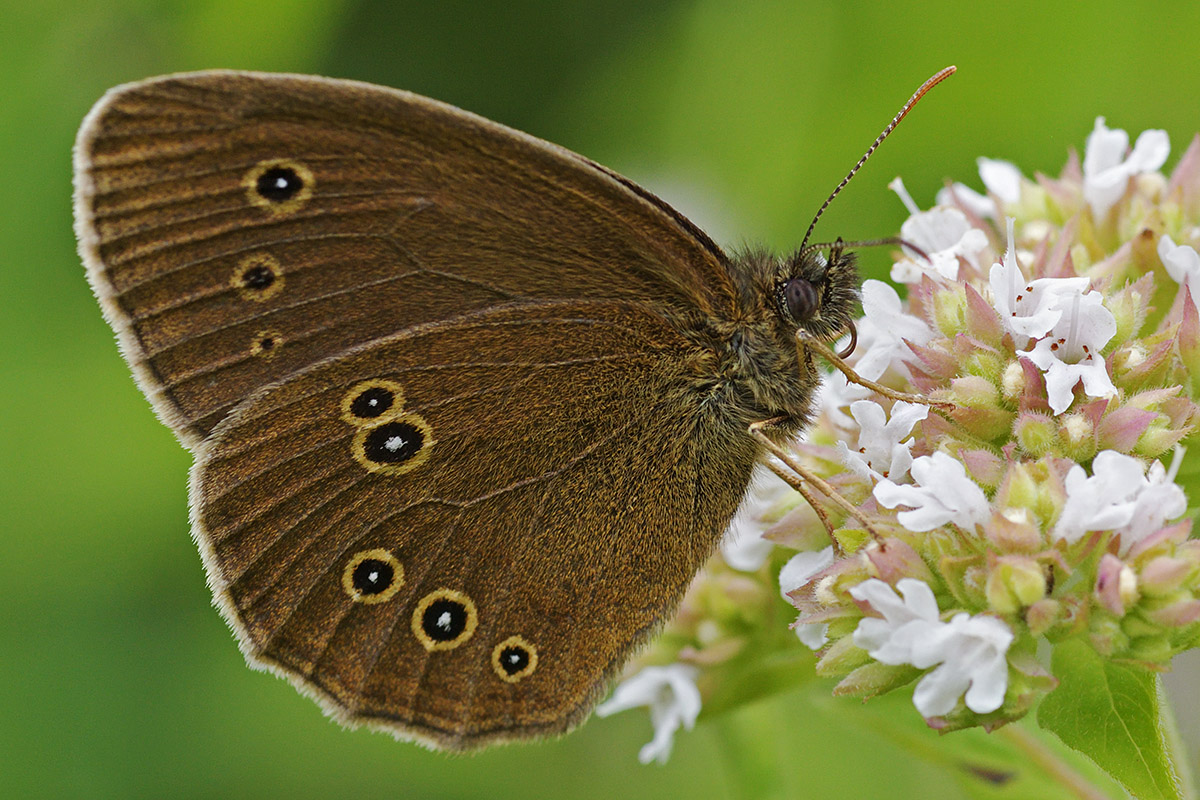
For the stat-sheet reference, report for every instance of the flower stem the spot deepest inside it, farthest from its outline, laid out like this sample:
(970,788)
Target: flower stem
(752,760)
(1058,769)
(1176,749)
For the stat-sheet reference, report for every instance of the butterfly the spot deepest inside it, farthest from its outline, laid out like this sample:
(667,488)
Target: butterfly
(468,410)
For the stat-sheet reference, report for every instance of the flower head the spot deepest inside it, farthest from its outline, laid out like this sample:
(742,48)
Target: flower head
(1107,167)
(797,572)
(1182,263)
(1120,496)
(1070,353)
(943,233)
(1030,506)
(836,393)
(885,331)
(1028,309)
(943,494)
(1003,181)
(673,699)
(902,624)
(969,651)
(882,450)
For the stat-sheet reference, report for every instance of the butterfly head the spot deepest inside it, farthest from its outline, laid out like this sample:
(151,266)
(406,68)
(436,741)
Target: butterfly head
(816,293)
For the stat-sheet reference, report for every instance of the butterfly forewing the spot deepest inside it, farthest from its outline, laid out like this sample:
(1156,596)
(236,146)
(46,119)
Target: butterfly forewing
(241,227)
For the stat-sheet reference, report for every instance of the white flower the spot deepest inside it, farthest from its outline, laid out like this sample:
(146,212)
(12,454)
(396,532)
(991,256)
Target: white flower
(835,393)
(674,701)
(970,649)
(1028,309)
(1000,178)
(883,331)
(1158,500)
(1107,170)
(943,233)
(1070,353)
(943,494)
(1183,265)
(905,622)
(1102,501)
(978,204)
(743,547)
(881,451)
(1121,497)
(795,573)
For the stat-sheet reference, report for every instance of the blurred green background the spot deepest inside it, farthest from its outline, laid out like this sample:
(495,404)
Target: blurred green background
(118,679)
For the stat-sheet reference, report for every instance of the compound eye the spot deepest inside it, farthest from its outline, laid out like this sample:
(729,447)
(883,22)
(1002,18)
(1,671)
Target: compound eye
(801,298)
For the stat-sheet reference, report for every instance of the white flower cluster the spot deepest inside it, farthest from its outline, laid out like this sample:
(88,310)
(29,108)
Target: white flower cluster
(674,701)
(969,651)
(925,479)
(1121,497)
(1069,323)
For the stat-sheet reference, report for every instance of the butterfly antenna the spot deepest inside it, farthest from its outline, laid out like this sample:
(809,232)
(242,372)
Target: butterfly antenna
(844,245)
(912,101)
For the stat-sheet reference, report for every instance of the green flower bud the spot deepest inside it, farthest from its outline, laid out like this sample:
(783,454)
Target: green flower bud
(841,657)
(1172,611)
(874,679)
(1042,615)
(1154,649)
(1107,636)
(977,407)
(1013,531)
(1078,436)
(1037,434)
(1163,576)
(1014,582)
(950,311)
(1012,381)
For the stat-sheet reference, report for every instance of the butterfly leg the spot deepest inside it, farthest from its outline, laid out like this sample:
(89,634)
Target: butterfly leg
(801,475)
(826,352)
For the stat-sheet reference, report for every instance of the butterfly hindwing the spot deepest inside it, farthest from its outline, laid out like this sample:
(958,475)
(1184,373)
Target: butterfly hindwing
(534,473)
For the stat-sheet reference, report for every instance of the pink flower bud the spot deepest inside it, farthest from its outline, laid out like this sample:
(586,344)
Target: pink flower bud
(1116,585)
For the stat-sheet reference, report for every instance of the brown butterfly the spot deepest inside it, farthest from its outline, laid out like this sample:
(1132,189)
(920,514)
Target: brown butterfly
(469,410)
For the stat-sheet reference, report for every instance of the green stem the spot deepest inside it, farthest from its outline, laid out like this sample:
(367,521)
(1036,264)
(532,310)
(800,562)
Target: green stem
(1176,750)
(753,761)
(1058,769)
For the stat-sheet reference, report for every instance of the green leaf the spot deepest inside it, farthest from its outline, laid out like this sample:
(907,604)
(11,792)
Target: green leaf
(1111,713)
(1015,761)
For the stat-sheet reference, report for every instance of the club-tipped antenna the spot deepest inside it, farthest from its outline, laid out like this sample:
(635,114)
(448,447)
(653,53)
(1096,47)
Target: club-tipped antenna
(940,76)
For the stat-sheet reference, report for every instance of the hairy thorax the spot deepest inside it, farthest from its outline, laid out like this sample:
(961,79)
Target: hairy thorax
(749,366)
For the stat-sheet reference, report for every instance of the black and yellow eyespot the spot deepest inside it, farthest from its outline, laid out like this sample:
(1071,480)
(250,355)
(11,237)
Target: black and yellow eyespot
(395,446)
(514,659)
(279,185)
(372,576)
(257,277)
(266,343)
(371,402)
(444,619)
